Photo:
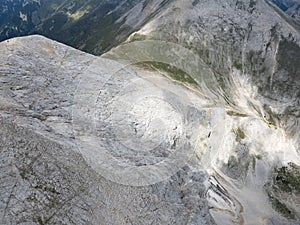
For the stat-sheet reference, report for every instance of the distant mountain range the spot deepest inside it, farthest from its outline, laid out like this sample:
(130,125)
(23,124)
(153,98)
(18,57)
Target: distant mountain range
(290,7)
(93,25)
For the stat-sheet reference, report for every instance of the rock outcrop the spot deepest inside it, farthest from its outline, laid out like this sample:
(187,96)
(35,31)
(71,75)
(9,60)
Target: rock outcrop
(47,179)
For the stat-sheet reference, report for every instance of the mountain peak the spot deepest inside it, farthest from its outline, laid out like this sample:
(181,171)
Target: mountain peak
(190,117)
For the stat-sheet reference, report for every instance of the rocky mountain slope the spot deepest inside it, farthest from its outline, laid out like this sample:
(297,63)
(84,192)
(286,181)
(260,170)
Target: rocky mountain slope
(46,178)
(93,26)
(238,36)
(193,120)
(252,50)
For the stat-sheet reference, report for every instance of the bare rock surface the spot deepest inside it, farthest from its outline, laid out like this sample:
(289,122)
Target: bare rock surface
(252,52)
(45,179)
(90,140)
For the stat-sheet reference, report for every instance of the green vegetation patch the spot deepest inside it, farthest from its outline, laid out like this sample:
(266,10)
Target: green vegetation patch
(238,65)
(286,181)
(288,178)
(55,22)
(172,71)
(137,37)
(272,117)
(259,157)
(239,134)
(281,208)
(233,113)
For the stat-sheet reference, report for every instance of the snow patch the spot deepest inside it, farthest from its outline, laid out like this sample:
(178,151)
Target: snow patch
(23,16)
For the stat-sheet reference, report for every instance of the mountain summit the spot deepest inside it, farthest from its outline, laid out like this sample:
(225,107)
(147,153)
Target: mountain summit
(191,116)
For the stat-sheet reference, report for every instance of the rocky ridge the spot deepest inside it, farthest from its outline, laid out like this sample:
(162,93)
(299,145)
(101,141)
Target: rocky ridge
(73,123)
(44,177)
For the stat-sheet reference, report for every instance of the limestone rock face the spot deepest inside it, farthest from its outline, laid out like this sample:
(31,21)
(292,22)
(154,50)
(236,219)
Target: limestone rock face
(252,37)
(46,178)
(193,120)
(252,51)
